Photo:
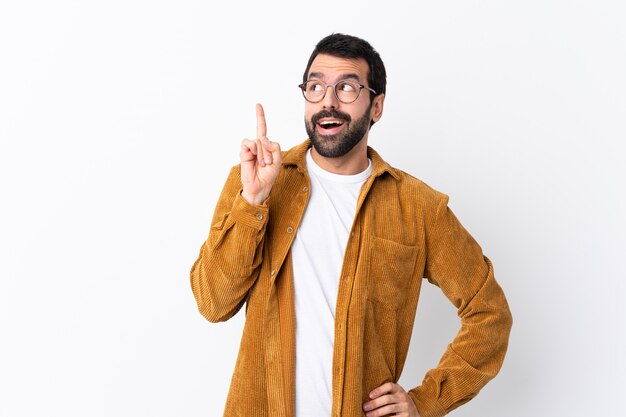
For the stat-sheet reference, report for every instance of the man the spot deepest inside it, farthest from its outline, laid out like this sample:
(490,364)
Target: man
(327,245)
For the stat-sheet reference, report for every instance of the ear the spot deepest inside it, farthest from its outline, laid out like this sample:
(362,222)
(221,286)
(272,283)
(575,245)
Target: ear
(376,111)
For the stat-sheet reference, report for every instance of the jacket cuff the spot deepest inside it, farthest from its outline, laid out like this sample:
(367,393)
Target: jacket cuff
(248,214)
(425,404)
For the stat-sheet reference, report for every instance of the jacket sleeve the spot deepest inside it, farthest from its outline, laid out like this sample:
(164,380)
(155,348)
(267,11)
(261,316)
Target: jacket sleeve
(229,260)
(456,264)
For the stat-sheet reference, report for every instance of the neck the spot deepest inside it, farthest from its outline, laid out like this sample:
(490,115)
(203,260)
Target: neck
(351,163)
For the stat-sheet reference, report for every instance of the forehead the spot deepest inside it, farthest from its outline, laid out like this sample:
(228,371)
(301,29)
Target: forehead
(332,67)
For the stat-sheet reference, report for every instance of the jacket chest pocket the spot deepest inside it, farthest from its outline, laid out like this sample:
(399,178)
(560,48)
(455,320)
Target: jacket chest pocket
(390,271)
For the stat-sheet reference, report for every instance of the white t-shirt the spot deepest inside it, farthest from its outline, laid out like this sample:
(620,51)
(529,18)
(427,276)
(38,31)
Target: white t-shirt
(317,252)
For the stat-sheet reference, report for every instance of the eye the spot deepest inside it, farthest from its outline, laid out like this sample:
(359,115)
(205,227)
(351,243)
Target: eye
(314,86)
(347,87)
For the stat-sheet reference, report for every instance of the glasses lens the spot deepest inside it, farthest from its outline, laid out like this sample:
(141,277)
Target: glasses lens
(347,91)
(314,90)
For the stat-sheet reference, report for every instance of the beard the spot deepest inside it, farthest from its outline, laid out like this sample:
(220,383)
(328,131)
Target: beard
(337,145)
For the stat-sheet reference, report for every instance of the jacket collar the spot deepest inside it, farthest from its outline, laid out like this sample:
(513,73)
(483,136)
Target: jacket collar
(297,156)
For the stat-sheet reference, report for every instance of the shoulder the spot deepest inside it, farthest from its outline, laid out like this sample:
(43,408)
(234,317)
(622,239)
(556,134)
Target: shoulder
(409,187)
(429,201)
(414,185)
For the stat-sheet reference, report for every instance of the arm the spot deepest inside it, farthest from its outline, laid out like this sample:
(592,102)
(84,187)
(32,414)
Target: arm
(229,260)
(456,264)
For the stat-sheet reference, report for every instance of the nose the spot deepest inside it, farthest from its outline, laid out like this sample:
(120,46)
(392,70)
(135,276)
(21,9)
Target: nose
(330,99)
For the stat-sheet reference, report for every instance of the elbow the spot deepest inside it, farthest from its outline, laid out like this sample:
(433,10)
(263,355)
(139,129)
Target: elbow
(216,314)
(498,322)
(504,319)
(210,306)
(506,324)
(212,303)
(220,293)
(508,320)
(500,331)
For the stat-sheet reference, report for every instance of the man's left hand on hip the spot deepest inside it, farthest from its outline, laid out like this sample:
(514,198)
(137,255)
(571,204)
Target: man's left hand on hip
(390,399)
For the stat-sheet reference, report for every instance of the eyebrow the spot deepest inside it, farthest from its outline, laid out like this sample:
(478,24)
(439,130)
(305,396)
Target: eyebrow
(350,75)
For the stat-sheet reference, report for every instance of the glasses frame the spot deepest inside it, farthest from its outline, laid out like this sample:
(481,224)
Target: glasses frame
(361,87)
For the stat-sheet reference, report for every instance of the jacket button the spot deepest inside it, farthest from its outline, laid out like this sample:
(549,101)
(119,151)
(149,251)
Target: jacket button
(259,216)
(289,229)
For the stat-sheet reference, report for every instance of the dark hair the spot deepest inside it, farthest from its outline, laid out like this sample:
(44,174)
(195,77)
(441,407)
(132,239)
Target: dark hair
(346,46)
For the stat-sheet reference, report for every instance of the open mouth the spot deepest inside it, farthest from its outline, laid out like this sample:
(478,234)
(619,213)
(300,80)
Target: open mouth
(329,126)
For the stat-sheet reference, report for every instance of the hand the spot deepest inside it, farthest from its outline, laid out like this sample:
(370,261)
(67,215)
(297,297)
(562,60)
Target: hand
(260,162)
(390,400)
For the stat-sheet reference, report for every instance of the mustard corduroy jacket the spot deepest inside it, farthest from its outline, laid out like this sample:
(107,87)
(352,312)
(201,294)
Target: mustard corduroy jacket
(403,231)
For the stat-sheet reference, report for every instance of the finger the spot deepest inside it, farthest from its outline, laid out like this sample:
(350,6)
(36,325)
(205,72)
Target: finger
(260,156)
(267,154)
(272,151)
(379,402)
(387,387)
(273,148)
(261,127)
(249,145)
(388,410)
(248,150)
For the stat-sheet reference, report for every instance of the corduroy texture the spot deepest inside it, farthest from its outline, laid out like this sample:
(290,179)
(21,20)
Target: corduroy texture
(403,231)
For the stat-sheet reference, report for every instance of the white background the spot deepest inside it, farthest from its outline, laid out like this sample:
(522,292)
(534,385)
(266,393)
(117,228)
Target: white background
(119,121)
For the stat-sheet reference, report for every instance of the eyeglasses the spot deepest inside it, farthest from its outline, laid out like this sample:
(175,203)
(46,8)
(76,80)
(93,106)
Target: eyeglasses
(346,92)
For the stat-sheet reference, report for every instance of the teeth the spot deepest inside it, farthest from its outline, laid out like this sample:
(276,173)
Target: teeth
(329,123)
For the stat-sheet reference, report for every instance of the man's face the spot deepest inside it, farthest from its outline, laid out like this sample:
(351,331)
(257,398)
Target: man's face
(335,128)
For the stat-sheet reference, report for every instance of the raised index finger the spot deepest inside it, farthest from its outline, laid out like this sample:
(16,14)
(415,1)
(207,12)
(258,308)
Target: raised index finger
(261,128)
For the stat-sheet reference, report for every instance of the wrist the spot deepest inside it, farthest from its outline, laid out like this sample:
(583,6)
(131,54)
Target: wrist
(255,200)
